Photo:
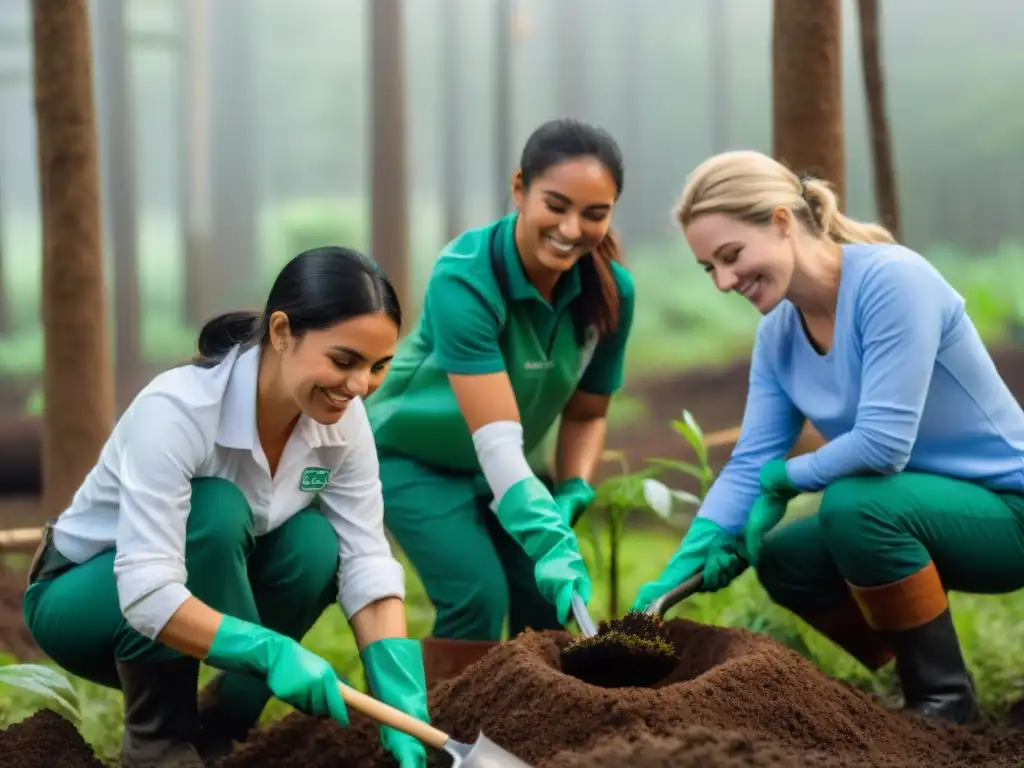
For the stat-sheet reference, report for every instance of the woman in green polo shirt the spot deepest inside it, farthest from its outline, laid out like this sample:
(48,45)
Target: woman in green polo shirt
(525,320)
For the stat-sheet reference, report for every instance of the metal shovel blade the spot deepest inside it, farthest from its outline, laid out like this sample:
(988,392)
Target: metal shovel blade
(483,753)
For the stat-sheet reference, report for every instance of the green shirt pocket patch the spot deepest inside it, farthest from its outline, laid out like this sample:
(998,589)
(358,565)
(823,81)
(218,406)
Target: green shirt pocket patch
(314,479)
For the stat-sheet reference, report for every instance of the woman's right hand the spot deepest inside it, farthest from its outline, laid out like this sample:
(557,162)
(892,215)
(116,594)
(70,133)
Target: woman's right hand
(294,674)
(706,545)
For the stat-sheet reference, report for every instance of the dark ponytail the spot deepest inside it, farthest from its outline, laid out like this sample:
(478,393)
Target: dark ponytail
(555,142)
(222,333)
(316,289)
(599,293)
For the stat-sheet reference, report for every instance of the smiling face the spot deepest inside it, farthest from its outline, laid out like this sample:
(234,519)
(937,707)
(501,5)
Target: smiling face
(755,261)
(564,213)
(324,369)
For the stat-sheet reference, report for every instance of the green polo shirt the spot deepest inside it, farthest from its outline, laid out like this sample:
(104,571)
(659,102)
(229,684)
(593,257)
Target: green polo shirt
(463,313)
(470,325)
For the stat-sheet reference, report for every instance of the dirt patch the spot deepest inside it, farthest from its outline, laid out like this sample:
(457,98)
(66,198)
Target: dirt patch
(736,699)
(45,740)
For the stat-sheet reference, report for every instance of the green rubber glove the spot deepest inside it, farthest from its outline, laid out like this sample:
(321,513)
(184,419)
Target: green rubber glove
(295,675)
(530,515)
(573,497)
(769,509)
(394,669)
(706,544)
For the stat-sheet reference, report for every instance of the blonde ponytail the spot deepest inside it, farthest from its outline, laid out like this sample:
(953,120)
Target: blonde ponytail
(750,185)
(824,207)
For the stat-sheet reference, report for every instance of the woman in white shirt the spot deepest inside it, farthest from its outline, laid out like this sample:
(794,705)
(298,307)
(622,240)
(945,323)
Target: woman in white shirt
(235,499)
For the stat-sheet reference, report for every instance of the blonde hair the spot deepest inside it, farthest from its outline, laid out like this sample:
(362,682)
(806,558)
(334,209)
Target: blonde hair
(750,185)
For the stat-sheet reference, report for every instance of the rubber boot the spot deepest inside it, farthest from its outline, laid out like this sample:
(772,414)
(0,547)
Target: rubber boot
(445,658)
(161,719)
(932,672)
(914,616)
(218,730)
(846,626)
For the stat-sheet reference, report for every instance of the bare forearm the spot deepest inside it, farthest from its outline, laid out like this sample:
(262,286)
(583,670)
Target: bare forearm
(379,620)
(192,628)
(580,445)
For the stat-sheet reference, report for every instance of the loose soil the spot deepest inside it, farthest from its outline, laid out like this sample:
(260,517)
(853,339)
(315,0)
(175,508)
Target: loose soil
(736,698)
(45,740)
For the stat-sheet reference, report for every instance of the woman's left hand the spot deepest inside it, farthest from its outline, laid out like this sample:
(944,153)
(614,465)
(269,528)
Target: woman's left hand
(769,509)
(573,497)
(394,669)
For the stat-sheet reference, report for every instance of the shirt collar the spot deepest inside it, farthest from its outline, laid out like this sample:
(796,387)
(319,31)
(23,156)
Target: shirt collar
(519,286)
(237,426)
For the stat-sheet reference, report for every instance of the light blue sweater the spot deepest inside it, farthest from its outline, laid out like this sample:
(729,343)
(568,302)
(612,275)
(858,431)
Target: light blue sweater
(907,385)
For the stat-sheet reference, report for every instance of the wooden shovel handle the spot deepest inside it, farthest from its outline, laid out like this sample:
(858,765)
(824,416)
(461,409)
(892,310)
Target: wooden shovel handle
(391,717)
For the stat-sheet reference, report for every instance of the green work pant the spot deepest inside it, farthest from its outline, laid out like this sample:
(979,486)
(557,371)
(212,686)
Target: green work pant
(875,531)
(283,580)
(474,573)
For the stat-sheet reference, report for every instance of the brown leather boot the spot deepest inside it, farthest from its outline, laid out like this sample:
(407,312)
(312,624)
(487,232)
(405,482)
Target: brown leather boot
(914,615)
(160,714)
(444,658)
(846,626)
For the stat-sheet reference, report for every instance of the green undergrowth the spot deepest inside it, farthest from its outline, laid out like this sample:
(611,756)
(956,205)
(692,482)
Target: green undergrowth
(989,628)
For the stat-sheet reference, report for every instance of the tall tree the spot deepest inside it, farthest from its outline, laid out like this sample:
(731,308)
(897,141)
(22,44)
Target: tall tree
(77,382)
(721,74)
(807,95)
(5,310)
(451,118)
(807,104)
(568,32)
(389,209)
(874,90)
(118,161)
(200,280)
(234,266)
(504,37)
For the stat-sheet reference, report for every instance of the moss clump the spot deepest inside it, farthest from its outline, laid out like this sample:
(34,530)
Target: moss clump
(632,651)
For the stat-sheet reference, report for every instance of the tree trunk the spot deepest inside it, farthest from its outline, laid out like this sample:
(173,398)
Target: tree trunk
(234,265)
(389,211)
(721,74)
(200,288)
(504,161)
(881,143)
(118,160)
(452,118)
(78,386)
(569,33)
(807,96)
(5,309)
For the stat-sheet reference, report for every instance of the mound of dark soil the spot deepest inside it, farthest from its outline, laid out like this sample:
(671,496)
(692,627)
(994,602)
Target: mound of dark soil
(735,699)
(45,740)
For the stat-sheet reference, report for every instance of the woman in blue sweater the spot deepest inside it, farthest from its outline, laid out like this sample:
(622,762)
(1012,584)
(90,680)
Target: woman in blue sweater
(923,468)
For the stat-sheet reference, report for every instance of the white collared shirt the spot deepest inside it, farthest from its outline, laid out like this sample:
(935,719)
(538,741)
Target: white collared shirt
(201,422)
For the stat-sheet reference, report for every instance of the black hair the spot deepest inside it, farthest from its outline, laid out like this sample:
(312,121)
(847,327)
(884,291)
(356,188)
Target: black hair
(557,141)
(316,289)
